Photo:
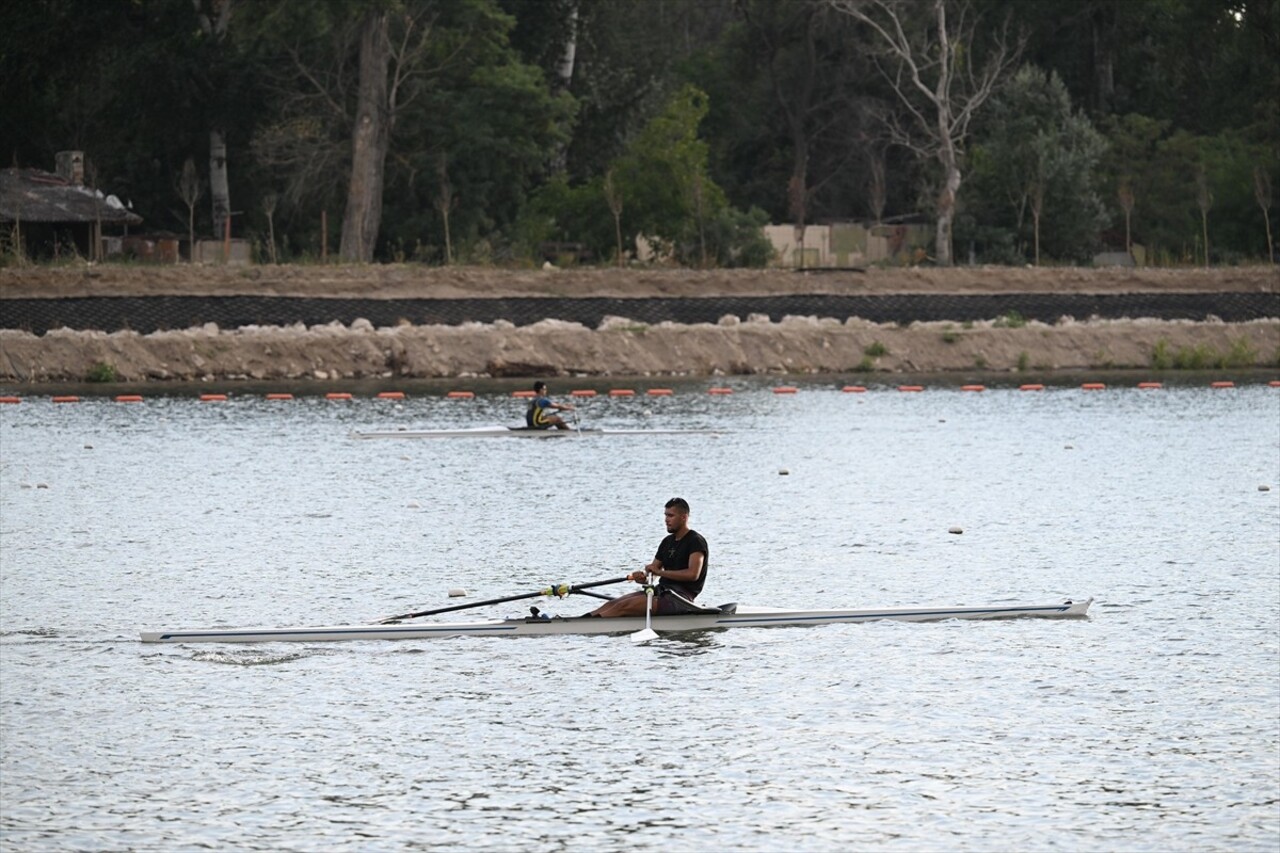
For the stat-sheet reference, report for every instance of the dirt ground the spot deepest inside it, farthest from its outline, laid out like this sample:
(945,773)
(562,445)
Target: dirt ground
(619,347)
(399,281)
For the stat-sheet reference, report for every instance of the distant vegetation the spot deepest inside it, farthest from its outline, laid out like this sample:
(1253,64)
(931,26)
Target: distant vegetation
(517,131)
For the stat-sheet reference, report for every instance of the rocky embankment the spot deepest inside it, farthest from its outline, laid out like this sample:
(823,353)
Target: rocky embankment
(619,346)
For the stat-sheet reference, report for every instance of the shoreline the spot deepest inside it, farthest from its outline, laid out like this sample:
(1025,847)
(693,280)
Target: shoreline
(552,348)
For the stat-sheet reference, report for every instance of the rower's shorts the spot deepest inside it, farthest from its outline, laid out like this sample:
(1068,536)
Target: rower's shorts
(672,603)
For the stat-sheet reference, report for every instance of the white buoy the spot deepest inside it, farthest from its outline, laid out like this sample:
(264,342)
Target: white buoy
(413,505)
(1264,488)
(783,472)
(457,592)
(955,530)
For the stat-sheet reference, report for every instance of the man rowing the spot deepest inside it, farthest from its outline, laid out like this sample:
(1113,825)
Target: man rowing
(538,415)
(680,566)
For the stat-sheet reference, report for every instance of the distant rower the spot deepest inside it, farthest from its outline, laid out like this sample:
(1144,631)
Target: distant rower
(540,408)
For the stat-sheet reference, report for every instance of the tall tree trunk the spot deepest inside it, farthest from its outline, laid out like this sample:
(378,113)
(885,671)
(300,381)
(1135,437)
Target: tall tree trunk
(370,139)
(215,17)
(219,189)
(563,81)
(1102,23)
(946,206)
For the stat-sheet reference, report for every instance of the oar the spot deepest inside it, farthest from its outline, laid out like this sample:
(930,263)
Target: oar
(648,633)
(562,590)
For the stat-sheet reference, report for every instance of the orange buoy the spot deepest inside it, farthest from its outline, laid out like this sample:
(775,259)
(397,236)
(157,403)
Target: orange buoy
(854,389)
(580,392)
(660,392)
(66,399)
(785,389)
(720,392)
(337,395)
(460,395)
(523,394)
(1031,386)
(390,395)
(1093,386)
(279,396)
(10,399)
(1274,383)
(213,398)
(621,392)
(973,387)
(1222,384)
(911,389)
(1150,385)
(128,398)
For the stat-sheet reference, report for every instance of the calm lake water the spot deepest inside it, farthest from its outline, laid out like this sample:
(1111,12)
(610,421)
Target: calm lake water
(1152,725)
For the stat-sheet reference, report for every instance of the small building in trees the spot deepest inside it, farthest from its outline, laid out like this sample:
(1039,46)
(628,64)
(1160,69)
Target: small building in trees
(51,215)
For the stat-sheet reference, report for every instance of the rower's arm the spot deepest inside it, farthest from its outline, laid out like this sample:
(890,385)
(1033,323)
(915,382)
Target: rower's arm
(696,561)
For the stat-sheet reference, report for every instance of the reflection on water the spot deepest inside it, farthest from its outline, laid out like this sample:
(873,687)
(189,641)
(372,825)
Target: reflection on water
(1151,725)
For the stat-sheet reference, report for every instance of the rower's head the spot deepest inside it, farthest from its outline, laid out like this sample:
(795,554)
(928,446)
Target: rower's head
(539,387)
(677,514)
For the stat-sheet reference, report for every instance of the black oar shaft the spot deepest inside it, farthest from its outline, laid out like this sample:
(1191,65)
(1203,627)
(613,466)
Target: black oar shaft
(545,591)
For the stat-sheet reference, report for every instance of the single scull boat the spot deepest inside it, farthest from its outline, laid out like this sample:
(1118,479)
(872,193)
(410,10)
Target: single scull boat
(523,432)
(725,616)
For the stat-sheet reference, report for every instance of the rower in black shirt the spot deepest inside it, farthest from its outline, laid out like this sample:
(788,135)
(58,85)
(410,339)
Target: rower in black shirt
(680,566)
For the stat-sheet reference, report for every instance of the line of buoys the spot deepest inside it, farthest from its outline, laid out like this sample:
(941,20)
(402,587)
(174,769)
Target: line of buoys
(785,389)
(1031,386)
(128,398)
(10,399)
(582,392)
(1093,386)
(621,392)
(973,387)
(337,395)
(213,398)
(1222,384)
(720,392)
(911,389)
(279,396)
(1151,386)
(460,395)
(390,395)
(854,389)
(659,392)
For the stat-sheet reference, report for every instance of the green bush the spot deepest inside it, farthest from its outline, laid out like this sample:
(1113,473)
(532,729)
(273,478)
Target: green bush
(876,349)
(101,372)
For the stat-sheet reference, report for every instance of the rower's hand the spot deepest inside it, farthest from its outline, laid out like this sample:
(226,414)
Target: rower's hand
(638,577)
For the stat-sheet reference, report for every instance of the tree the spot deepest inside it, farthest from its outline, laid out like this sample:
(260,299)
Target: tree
(803,51)
(1204,201)
(1032,154)
(932,73)
(189,189)
(215,17)
(1262,193)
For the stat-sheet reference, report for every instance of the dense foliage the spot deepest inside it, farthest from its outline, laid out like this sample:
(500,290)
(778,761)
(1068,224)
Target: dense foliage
(512,125)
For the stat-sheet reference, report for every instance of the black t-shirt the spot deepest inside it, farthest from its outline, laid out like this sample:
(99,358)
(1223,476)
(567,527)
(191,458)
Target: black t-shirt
(674,554)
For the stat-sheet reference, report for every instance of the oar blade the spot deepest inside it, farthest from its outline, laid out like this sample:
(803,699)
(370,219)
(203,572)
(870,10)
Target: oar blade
(644,636)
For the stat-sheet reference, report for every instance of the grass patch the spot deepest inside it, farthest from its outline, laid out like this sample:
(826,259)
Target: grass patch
(1024,360)
(950,337)
(1241,354)
(876,349)
(1012,320)
(980,363)
(101,372)
(867,365)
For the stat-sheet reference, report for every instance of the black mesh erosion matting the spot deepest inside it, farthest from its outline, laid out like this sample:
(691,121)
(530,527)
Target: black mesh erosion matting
(152,313)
